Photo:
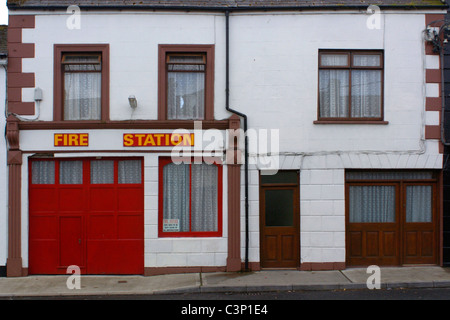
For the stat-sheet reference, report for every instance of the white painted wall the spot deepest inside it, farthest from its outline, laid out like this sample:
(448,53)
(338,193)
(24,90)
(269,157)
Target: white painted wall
(274,80)
(3,174)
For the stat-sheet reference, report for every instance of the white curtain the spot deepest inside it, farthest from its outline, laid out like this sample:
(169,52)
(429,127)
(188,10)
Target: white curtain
(366,60)
(130,171)
(186,95)
(191,200)
(82,93)
(334,60)
(43,172)
(419,203)
(176,194)
(102,171)
(204,197)
(334,90)
(366,93)
(372,204)
(71,172)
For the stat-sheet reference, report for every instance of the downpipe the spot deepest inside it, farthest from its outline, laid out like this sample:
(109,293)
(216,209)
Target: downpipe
(242,115)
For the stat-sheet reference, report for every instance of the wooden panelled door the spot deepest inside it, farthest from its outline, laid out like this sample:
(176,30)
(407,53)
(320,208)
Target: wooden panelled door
(86,212)
(392,218)
(279,220)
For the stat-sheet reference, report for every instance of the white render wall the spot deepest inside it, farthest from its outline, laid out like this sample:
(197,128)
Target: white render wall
(274,80)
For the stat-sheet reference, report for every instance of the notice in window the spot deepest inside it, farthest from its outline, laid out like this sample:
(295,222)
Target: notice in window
(171,225)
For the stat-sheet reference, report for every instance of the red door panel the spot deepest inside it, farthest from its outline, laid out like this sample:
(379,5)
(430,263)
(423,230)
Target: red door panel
(70,250)
(99,227)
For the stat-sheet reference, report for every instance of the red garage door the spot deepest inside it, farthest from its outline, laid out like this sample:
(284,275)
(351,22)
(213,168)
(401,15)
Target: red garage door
(86,212)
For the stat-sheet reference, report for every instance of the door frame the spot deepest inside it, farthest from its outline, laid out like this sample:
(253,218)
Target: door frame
(400,219)
(296,216)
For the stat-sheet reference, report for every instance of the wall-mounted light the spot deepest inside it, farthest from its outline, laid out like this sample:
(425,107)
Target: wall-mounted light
(132,101)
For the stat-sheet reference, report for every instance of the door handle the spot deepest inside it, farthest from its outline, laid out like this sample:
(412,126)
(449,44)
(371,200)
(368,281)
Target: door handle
(79,241)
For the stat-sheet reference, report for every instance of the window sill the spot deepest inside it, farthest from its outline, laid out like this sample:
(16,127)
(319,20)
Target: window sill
(380,122)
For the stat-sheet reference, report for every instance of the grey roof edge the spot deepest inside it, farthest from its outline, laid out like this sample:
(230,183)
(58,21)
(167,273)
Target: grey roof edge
(223,8)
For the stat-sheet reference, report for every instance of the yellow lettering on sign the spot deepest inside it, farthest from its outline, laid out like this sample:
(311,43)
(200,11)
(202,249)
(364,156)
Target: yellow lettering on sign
(71,139)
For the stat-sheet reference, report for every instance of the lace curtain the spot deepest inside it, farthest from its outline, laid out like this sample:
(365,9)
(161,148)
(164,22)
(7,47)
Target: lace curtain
(377,203)
(419,203)
(102,171)
(82,90)
(43,172)
(71,172)
(186,95)
(204,197)
(200,189)
(333,88)
(130,171)
(372,204)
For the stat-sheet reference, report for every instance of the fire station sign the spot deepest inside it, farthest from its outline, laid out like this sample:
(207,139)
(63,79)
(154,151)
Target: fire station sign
(71,139)
(158,140)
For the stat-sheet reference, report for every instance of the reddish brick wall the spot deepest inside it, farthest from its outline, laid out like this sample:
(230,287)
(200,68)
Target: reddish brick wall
(16,52)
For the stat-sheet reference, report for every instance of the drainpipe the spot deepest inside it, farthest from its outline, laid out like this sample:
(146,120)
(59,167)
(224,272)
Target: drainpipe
(227,106)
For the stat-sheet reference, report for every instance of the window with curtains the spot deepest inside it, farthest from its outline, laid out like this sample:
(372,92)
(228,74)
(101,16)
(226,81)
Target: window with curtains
(374,196)
(186,82)
(186,86)
(69,171)
(82,86)
(350,85)
(190,199)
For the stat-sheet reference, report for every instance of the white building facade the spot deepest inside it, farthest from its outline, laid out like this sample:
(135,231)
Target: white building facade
(342,109)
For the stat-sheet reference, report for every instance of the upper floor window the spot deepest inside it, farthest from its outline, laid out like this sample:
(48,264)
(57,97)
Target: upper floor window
(81,82)
(186,82)
(82,86)
(350,85)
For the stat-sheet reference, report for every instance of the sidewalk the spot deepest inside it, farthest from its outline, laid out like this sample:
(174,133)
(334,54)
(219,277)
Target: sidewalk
(401,277)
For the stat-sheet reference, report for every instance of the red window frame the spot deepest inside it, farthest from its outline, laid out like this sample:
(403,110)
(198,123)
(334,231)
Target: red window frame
(163,161)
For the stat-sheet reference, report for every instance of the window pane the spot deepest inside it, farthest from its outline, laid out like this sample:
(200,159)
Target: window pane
(102,171)
(82,67)
(204,200)
(366,60)
(334,60)
(43,172)
(186,67)
(82,96)
(186,95)
(75,58)
(71,172)
(176,198)
(372,204)
(366,93)
(333,88)
(194,59)
(419,203)
(130,171)
(279,208)
(280,177)
(388,175)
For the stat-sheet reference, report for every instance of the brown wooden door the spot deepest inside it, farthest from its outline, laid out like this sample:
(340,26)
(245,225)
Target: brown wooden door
(419,223)
(391,223)
(280,247)
(373,238)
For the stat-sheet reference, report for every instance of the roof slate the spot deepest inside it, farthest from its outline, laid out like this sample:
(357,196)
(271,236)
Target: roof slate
(223,4)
